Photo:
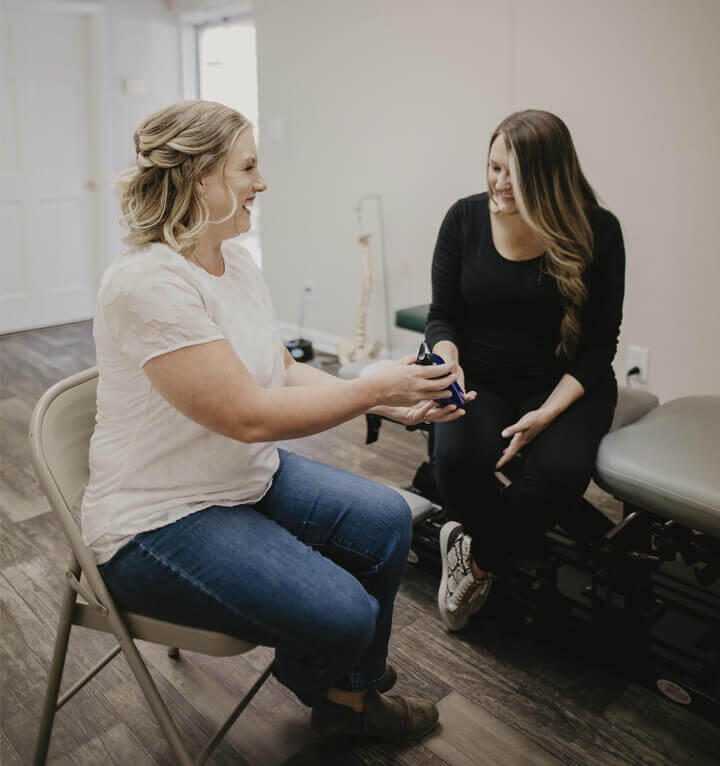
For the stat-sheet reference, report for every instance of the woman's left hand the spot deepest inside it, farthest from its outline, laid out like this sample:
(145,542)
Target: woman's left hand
(522,433)
(427,411)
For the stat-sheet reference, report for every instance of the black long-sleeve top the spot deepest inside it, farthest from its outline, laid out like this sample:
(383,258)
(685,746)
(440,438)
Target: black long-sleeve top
(504,316)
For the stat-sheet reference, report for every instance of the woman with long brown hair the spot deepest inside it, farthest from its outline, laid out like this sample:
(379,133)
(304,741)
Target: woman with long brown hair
(528,284)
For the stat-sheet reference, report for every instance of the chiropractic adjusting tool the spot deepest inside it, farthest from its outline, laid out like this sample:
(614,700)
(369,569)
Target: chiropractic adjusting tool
(426,357)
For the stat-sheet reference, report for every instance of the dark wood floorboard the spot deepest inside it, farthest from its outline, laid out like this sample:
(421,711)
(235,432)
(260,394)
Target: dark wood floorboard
(478,738)
(9,756)
(505,699)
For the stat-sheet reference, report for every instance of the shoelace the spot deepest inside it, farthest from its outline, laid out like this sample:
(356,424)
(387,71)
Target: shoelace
(467,583)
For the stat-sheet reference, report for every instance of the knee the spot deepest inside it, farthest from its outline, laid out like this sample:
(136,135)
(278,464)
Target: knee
(454,466)
(449,460)
(456,459)
(561,475)
(350,629)
(390,517)
(552,480)
(399,520)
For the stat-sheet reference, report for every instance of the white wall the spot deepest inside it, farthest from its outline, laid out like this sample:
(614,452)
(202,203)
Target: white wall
(129,38)
(399,97)
(640,87)
(141,40)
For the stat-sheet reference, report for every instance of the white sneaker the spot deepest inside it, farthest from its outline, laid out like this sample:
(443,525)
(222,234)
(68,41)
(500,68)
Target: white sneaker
(460,594)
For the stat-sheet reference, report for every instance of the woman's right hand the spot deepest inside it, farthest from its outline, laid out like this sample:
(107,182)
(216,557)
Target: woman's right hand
(460,376)
(404,383)
(449,351)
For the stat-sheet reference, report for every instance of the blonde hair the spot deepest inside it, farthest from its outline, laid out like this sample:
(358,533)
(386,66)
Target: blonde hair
(175,147)
(552,197)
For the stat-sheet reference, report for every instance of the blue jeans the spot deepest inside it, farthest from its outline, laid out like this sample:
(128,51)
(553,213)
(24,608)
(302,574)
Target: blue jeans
(311,569)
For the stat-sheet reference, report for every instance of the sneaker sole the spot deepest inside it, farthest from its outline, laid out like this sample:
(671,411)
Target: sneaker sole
(445,533)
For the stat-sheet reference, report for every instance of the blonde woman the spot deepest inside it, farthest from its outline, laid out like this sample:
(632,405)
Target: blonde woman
(193,513)
(527,292)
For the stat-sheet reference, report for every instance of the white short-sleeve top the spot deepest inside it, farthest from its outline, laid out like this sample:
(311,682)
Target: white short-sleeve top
(149,464)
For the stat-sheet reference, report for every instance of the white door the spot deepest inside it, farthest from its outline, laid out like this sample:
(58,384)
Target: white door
(47,204)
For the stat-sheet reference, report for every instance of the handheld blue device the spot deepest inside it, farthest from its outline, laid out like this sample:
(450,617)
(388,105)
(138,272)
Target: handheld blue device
(426,357)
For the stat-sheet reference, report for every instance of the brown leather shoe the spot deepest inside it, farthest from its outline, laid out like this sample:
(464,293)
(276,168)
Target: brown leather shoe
(396,719)
(389,679)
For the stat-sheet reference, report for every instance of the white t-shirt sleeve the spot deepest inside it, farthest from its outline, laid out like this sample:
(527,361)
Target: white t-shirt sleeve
(153,311)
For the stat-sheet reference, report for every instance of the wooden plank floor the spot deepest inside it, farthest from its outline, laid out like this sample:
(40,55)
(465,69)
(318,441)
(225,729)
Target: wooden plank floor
(504,699)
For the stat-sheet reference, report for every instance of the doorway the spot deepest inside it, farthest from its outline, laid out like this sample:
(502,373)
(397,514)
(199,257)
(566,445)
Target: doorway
(48,206)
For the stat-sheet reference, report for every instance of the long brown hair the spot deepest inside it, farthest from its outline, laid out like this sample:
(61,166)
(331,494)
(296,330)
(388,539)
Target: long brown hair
(175,147)
(552,196)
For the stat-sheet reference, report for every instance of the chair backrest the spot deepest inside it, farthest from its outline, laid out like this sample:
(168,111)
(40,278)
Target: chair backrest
(60,429)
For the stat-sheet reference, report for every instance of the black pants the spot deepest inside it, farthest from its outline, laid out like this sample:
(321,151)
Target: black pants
(556,468)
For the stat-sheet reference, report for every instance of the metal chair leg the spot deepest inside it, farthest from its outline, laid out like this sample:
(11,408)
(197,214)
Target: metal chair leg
(162,714)
(55,673)
(244,702)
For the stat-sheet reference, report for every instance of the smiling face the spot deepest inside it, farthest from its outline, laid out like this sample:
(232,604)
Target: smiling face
(499,181)
(240,173)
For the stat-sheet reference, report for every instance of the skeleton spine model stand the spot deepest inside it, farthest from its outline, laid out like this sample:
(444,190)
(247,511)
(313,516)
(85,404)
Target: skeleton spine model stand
(352,350)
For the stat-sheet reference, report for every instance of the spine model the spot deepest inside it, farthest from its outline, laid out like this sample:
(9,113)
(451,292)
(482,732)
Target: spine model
(359,347)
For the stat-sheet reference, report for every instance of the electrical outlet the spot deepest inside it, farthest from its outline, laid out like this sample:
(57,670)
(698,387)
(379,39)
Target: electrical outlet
(310,291)
(638,356)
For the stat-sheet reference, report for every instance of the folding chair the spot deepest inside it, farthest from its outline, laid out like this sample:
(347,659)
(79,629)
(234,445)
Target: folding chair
(60,430)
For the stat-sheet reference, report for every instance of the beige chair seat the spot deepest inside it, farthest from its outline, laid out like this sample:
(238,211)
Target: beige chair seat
(165,633)
(668,462)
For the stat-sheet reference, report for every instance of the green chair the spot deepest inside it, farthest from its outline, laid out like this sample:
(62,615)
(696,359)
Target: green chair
(60,430)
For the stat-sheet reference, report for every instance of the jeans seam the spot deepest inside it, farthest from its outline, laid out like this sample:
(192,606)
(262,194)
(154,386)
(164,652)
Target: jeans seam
(375,561)
(359,551)
(318,545)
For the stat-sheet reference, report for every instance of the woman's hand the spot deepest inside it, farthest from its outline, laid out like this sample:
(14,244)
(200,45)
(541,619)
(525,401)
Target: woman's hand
(522,433)
(448,351)
(406,384)
(459,372)
(428,412)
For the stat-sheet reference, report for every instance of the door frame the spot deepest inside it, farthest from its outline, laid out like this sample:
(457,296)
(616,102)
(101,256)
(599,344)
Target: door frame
(99,168)
(189,22)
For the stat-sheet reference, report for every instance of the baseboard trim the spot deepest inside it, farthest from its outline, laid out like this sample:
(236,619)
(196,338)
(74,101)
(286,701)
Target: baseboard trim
(324,342)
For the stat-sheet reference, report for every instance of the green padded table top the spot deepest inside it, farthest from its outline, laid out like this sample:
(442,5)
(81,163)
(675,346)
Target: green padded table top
(413,318)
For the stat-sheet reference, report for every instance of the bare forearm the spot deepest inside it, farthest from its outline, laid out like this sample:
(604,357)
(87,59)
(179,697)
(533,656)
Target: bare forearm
(291,412)
(299,374)
(566,392)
